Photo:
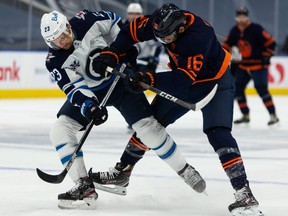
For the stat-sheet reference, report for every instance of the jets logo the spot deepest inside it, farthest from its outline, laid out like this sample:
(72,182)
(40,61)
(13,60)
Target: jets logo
(80,15)
(75,64)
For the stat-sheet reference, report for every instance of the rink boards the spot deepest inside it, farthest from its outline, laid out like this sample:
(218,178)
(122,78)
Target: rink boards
(24,75)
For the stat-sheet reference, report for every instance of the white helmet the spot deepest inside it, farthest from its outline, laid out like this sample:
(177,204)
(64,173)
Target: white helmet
(134,8)
(52,25)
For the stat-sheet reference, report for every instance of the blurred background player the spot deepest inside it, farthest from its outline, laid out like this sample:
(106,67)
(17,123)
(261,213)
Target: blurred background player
(73,47)
(148,51)
(256,46)
(197,63)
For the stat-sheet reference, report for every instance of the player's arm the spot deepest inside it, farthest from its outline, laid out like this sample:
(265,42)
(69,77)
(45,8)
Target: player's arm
(268,42)
(73,85)
(79,94)
(105,24)
(138,30)
(230,40)
(187,66)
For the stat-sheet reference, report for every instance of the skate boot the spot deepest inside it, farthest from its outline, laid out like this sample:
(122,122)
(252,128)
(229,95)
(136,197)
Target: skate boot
(245,204)
(192,178)
(245,119)
(273,119)
(81,196)
(113,181)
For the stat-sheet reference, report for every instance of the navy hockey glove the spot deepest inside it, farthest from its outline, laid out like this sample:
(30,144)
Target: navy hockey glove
(92,111)
(108,57)
(132,79)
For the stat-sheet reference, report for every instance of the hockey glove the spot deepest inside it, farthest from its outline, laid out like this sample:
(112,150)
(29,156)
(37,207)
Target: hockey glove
(92,111)
(130,56)
(108,57)
(132,79)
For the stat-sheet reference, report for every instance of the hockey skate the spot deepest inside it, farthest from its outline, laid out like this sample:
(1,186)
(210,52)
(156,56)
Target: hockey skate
(192,178)
(244,119)
(113,181)
(273,119)
(245,204)
(81,196)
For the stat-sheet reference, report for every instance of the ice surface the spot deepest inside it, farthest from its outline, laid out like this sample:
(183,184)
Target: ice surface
(154,189)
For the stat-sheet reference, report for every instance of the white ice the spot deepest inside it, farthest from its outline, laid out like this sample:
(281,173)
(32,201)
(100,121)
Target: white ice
(154,188)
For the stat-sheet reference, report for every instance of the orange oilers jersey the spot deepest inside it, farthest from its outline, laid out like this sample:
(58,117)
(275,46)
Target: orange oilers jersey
(196,54)
(253,43)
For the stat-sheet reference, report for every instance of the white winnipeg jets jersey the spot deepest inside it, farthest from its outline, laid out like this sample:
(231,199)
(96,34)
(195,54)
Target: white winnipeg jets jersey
(72,69)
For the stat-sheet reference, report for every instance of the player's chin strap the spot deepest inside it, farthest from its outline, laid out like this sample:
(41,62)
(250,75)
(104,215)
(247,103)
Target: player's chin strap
(56,179)
(192,106)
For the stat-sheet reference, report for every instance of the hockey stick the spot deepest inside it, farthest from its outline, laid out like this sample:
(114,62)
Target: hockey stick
(192,106)
(56,179)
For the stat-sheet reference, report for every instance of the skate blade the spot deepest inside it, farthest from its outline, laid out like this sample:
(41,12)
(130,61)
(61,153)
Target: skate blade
(247,211)
(85,204)
(115,189)
(274,125)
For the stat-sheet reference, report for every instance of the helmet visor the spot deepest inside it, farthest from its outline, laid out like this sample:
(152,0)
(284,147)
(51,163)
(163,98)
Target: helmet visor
(61,39)
(166,39)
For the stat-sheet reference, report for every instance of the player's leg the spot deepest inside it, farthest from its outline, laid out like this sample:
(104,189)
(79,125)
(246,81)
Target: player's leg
(217,117)
(241,80)
(63,137)
(138,113)
(260,78)
(166,112)
(135,149)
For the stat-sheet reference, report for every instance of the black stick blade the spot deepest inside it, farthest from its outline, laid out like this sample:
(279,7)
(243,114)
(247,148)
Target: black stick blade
(54,179)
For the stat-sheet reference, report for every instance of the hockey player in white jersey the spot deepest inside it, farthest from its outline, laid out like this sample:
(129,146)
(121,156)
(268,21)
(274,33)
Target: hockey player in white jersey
(73,45)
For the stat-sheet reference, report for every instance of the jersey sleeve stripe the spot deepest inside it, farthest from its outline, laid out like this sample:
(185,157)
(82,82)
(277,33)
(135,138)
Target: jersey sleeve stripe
(71,93)
(222,70)
(190,17)
(117,19)
(133,30)
(187,73)
(69,85)
(193,73)
(269,42)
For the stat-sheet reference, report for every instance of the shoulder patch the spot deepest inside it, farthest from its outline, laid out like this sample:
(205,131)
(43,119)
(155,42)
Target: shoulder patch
(80,15)
(74,65)
(49,57)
